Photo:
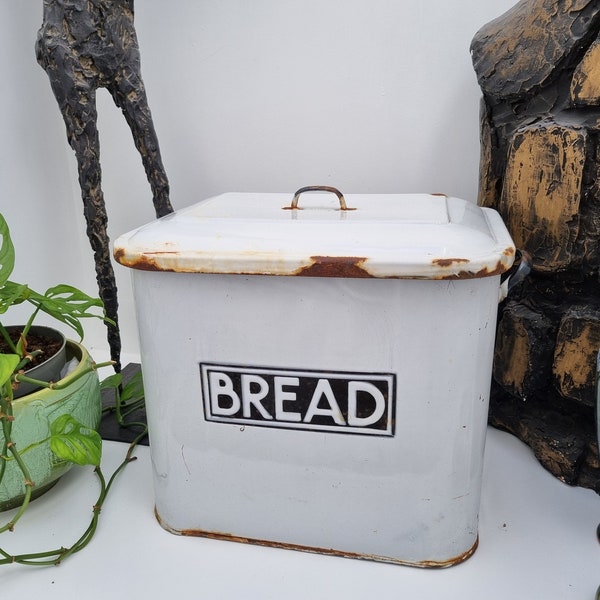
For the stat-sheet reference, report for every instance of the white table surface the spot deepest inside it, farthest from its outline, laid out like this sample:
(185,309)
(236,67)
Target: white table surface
(537,541)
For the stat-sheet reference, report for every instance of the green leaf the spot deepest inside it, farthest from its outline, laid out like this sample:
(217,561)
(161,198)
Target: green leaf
(11,294)
(8,363)
(134,388)
(7,252)
(74,442)
(68,305)
(112,382)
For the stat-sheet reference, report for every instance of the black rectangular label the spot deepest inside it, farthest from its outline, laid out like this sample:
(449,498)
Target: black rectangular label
(343,402)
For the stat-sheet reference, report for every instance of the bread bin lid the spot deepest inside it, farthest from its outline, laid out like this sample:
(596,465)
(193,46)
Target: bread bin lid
(423,236)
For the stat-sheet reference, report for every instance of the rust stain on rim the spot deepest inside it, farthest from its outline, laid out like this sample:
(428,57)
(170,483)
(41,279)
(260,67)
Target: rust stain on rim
(351,267)
(228,537)
(500,267)
(143,262)
(448,262)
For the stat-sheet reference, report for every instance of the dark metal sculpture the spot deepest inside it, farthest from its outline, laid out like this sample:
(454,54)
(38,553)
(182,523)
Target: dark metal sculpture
(84,45)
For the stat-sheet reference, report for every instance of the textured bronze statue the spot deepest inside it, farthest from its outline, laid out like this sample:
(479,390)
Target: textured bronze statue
(84,45)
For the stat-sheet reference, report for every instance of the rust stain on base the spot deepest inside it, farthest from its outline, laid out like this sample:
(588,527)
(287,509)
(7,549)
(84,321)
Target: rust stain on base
(429,564)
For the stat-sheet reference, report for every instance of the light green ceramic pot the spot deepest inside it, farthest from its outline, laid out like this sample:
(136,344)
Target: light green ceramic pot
(79,397)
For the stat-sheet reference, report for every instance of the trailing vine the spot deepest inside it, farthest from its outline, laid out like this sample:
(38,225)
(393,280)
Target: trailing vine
(69,440)
(72,442)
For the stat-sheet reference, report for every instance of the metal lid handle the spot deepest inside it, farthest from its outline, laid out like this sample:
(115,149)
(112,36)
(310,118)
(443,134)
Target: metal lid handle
(319,188)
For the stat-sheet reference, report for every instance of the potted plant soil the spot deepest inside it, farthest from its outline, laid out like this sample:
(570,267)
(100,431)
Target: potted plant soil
(50,405)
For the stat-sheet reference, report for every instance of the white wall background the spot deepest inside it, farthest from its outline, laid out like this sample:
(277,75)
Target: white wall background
(262,95)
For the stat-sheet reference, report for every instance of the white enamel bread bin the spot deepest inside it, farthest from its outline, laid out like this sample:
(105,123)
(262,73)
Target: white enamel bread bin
(317,371)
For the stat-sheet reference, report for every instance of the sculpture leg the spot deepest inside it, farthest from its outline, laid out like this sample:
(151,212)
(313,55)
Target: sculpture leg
(78,107)
(129,94)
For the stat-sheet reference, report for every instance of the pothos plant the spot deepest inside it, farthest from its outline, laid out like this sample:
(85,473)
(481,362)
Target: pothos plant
(69,440)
